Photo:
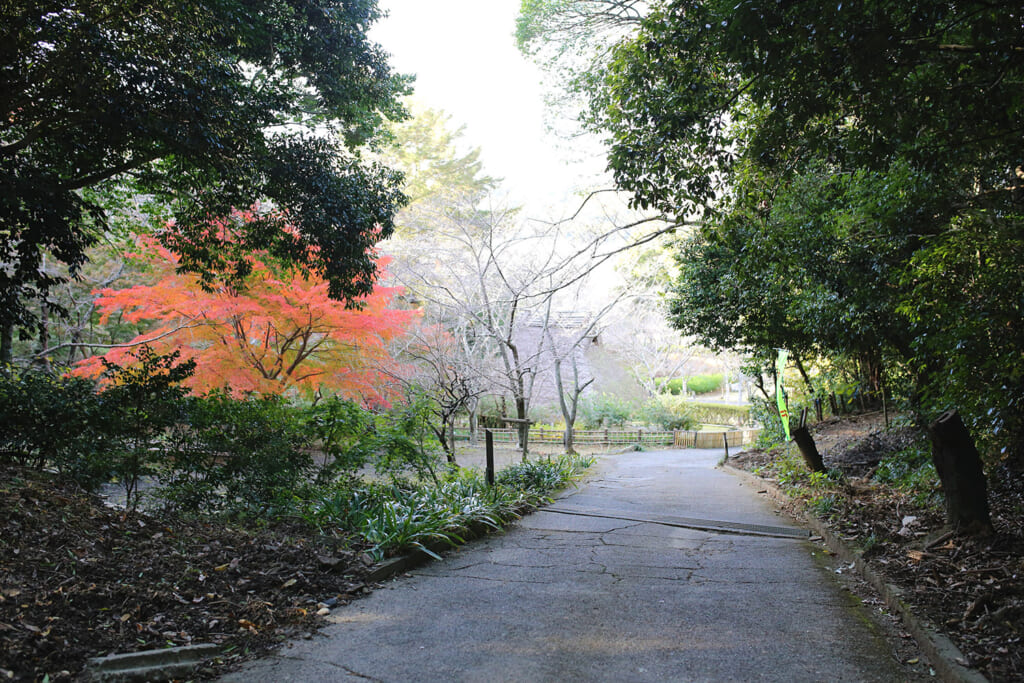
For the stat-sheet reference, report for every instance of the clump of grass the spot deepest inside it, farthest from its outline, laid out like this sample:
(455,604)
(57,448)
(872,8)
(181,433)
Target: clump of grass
(399,516)
(911,472)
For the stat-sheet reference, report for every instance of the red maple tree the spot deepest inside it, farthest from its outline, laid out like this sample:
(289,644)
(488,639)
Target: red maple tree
(276,331)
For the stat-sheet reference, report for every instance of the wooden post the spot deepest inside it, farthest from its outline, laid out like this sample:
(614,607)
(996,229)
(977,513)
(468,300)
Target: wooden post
(725,441)
(959,468)
(818,410)
(833,405)
(489,441)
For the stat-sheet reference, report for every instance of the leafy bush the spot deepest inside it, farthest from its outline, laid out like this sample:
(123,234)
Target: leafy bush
(403,441)
(401,515)
(667,414)
(57,422)
(345,433)
(238,455)
(911,470)
(704,384)
(140,403)
(672,386)
(767,415)
(604,411)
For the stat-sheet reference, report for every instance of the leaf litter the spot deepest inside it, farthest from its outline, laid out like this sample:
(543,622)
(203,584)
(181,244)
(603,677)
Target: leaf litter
(970,588)
(79,580)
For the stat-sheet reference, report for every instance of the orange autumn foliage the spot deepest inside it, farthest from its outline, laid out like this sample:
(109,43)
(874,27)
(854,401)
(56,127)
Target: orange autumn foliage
(279,332)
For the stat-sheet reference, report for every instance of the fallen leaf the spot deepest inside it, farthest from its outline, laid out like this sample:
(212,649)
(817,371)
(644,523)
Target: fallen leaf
(916,555)
(289,583)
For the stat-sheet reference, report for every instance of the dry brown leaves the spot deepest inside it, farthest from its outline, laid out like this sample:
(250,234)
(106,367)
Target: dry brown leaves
(972,589)
(79,580)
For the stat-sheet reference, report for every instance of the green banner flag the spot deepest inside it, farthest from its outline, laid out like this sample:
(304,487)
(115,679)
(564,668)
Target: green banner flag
(780,368)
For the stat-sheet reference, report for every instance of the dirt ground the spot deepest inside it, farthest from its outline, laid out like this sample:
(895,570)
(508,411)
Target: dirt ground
(79,579)
(972,589)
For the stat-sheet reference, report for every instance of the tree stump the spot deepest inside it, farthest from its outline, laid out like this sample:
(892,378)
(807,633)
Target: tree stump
(805,442)
(959,468)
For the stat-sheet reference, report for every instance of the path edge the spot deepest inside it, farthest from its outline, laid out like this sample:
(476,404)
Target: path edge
(942,653)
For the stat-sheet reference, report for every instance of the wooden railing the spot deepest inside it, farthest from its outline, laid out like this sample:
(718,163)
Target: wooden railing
(678,438)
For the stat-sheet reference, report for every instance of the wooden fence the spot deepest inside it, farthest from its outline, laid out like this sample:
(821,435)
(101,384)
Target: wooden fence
(624,437)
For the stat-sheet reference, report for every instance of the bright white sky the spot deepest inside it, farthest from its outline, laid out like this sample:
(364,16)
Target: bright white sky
(464,56)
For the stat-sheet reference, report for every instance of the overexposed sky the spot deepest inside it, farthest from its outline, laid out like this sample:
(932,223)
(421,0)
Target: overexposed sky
(465,60)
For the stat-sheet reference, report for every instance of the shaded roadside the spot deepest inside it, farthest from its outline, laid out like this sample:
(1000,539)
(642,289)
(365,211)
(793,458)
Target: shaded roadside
(568,595)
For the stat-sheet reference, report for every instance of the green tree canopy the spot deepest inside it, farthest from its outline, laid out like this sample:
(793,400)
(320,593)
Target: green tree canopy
(858,167)
(204,107)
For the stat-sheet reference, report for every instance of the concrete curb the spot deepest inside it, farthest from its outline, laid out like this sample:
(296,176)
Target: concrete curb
(944,656)
(150,665)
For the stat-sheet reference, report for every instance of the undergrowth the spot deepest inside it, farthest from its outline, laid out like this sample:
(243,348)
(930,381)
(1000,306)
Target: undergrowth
(400,515)
(907,475)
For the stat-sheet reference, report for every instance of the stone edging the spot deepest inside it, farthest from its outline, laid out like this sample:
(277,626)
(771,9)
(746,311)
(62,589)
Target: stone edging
(150,665)
(943,654)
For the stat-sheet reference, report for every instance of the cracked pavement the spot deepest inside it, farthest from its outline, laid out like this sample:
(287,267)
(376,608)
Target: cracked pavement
(576,597)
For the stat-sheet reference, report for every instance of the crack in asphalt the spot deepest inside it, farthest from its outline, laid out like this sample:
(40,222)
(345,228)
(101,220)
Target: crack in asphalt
(328,662)
(712,526)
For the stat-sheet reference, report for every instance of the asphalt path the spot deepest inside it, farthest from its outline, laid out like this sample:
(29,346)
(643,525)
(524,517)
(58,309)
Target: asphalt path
(658,568)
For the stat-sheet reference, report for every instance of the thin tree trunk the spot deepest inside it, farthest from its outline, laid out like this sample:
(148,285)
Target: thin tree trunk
(41,360)
(524,427)
(6,346)
(803,374)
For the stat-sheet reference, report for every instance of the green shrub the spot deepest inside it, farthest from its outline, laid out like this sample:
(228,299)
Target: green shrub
(767,415)
(246,455)
(704,384)
(603,411)
(401,515)
(345,434)
(403,442)
(672,386)
(667,414)
(57,422)
(140,403)
(911,470)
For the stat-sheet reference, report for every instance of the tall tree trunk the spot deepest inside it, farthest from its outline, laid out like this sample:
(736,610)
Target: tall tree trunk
(474,425)
(567,435)
(524,427)
(959,467)
(450,446)
(6,346)
(41,360)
